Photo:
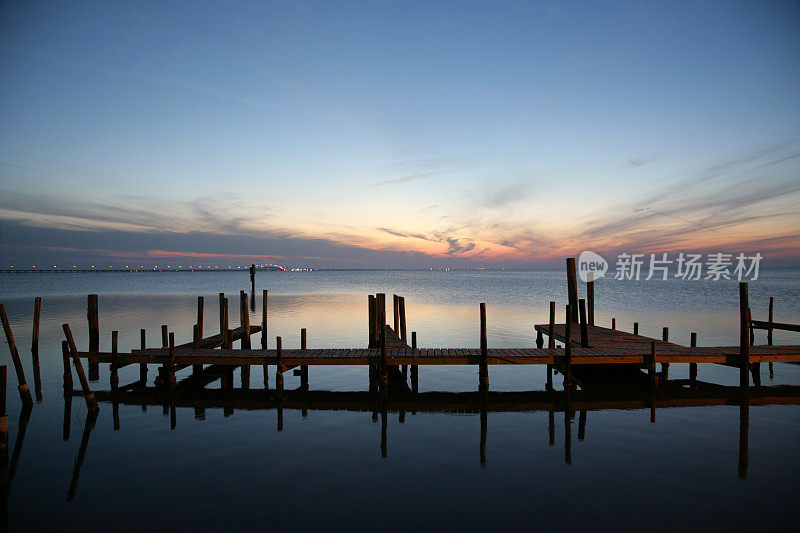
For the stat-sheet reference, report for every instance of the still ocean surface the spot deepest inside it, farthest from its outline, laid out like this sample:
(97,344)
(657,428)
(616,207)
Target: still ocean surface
(326,469)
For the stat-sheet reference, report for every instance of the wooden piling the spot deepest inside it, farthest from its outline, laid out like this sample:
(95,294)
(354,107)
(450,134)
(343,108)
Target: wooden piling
(769,329)
(279,365)
(755,368)
(744,336)
(253,278)
(171,368)
(223,325)
(164,336)
(88,395)
(244,320)
(24,391)
(303,368)
(693,366)
(551,338)
(371,311)
(114,360)
(200,307)
(396,308)
(380,300)
(142,366)
(614,324)
(635,328)
(584,328)
(414,368)
(264,299)
(590,298)
(651,366)
(402,303)
(67,368)
(3,418)
(769,334)
(568,349)
(93,316)
(37,377)
(228,342)
(483,368)
(572,290)
(665,366)
(197,336)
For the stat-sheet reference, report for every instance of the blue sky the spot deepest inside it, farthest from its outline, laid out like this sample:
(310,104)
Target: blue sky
(396,134)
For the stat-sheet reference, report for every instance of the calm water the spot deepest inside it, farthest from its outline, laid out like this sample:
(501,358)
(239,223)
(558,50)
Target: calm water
(223,468)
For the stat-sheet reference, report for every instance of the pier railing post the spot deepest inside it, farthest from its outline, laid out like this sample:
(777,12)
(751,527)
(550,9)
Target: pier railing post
(572,290)
(744,337)
(483,368)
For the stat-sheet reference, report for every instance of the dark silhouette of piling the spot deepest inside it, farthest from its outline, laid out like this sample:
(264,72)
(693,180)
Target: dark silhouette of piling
(584,328)
(88,395)
(483,368)
(572,290)
(693,366)
(303,368)
(37,378)
(93,316)
(24,391)
(744,336)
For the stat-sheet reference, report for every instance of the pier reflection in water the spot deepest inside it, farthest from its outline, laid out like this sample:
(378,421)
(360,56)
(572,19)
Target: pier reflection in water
(671,394)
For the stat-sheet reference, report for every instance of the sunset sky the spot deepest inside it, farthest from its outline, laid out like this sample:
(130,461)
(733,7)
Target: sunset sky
(396,134)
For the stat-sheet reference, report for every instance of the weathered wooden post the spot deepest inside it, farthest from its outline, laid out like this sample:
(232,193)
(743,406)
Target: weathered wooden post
(114,360)
(223,324)
(584,328)
(24,391)
(3,419)
(665,366)
(755,368)
(396,308)
(244,320)
(380,299)
(88,395)
(769,334)
(744,338)
(635,328)
(303,368)
(483,367)
(590,298)
(67,369)
(37,378)
(228,345)
(402,303)
(371,309)
(551,338)
(572,290)
(164,336)
(568,349)
(171,372)
(200,308)
(253,278)
(414,368)
(197,369)
(143,366)
(651,366)
(614,324)
(279,365)
(693,366)
(93,316)
(264,296)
